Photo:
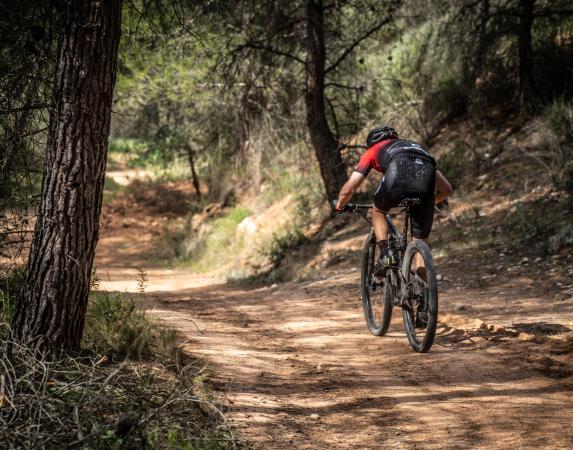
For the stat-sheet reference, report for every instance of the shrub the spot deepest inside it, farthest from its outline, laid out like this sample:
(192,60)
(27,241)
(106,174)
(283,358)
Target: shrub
(449,99)
(9,286)
(212,247)
(454,164)
(282,244)
(56,399)
(556,153)
(114,324)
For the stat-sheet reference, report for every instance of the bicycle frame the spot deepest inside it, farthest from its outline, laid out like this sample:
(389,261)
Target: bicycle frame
(399,280)
(403,287)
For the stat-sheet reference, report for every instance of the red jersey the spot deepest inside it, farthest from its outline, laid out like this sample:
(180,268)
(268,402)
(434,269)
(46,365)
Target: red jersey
(372,158)
(379,155)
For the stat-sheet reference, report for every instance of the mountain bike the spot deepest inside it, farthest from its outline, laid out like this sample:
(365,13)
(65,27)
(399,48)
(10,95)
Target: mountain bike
(406,283)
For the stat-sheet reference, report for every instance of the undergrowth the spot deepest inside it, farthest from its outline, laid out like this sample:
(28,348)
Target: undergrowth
(159,163)
(282,244)
(115,325)
(216,243)
(129,387)
(540,227)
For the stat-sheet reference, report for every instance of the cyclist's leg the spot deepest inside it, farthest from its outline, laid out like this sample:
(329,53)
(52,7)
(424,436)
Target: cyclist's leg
(422,218)
(382,203)
(422,215)
(380,224)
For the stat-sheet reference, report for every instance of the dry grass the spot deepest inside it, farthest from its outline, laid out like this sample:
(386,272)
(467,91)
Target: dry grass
(101,398)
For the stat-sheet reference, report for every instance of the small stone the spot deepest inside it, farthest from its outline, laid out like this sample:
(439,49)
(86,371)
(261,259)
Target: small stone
(459,307)
(315,416)
(526,337)
(439,277)
(524,260)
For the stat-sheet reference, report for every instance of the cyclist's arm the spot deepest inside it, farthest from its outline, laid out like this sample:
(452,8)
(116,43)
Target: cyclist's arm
(349,189)
(443,187)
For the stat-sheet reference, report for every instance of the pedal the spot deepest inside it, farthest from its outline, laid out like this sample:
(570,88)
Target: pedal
(379,273)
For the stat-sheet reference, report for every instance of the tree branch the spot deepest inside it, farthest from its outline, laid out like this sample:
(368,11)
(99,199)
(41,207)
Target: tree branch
(334,118)
(554,12)
(268,48)
(344,86)
(351,146)
(357,42)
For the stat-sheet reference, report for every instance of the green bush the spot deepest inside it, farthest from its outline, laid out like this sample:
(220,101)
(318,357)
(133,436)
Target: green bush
(114,324)
(448,99)
(454,164)
(557,154)
(284,243)
(163,158)
(7,306)
(128,146)
(9,286)
(218,242)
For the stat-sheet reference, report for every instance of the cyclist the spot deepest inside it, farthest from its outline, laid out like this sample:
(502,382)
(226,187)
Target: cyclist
(409,171)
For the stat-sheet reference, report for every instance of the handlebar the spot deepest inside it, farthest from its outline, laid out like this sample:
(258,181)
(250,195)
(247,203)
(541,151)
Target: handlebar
(357,208)
(352,207)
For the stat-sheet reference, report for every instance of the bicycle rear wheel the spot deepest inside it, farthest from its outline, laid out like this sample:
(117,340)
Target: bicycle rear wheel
(376,298)
(420,308)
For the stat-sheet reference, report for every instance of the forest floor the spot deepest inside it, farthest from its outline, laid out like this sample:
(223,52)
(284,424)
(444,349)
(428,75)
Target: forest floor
(298,368)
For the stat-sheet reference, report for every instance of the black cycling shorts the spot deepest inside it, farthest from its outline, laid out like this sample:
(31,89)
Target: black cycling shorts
(409,176)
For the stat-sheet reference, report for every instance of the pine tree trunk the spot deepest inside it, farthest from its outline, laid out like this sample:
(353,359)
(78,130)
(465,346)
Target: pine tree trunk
(325,146)
(52,304)
(484,16)
(526,87)
(195,178)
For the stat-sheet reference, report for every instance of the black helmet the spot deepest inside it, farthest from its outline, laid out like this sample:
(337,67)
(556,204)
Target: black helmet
(380,134)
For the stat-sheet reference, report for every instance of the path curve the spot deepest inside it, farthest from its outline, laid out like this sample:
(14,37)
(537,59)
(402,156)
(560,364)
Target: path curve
(297,368)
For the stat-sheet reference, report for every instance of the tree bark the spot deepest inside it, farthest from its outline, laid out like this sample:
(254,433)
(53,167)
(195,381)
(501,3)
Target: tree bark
(325,146)
(484,14)
(52,303)
(526,87)
(190,157)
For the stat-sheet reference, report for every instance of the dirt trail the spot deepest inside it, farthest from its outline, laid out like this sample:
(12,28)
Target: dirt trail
(281,355)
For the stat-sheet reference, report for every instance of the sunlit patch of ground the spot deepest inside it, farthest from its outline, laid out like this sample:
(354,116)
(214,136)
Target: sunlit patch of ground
(298,369)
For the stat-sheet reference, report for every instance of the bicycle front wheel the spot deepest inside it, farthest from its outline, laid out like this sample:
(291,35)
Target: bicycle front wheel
(420,307)
(376,297)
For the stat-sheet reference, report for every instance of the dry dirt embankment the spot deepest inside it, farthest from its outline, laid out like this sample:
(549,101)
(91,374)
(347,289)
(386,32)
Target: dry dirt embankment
(298,369)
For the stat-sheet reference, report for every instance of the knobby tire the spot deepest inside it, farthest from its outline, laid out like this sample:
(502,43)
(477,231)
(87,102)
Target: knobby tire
(367,265)
(421,344)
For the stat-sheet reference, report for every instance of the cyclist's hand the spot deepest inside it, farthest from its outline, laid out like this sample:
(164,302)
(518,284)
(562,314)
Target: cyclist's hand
(334,205)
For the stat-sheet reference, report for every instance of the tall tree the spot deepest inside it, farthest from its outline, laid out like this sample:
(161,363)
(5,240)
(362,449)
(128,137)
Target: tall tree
(526,86)
(325,146)
(52,303)
(320,38)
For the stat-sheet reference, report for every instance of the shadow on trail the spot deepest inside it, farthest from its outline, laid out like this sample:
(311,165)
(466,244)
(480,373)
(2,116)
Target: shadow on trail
(285,353)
